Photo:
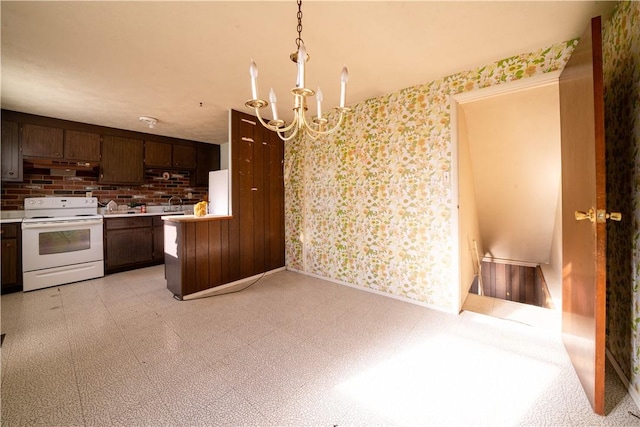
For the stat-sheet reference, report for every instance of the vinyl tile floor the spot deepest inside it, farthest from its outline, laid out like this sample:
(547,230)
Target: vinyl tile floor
(289,350)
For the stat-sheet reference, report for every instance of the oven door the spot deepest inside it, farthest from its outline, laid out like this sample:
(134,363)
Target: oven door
(51,243)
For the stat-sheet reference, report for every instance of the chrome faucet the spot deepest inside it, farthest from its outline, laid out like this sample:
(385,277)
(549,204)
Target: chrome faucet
(172,199)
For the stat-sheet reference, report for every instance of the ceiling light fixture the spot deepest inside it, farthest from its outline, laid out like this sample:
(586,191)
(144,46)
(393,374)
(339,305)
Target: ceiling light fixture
(318,126)
(149,121)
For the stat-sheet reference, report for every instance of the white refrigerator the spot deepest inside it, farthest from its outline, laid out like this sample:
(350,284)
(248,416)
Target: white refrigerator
(219,193)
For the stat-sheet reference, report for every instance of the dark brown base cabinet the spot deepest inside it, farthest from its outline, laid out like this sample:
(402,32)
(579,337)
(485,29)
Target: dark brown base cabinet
(130,243)
(10,236)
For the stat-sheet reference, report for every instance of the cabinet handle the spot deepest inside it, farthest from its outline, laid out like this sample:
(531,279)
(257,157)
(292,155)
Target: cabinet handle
(254,189)
(249,121)
(244,138)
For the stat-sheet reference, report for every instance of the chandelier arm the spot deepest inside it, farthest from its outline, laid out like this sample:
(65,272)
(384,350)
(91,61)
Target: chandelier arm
(315,133)
(268,126)
(287,138)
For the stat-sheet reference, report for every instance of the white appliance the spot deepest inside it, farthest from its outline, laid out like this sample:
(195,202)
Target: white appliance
(61,241)
(219,192)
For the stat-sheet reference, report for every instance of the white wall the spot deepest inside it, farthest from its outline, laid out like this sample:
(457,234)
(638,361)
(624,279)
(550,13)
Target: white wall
(469,229)
(514,144)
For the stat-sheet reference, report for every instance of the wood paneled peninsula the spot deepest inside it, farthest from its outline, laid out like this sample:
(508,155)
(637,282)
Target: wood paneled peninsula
(203,253)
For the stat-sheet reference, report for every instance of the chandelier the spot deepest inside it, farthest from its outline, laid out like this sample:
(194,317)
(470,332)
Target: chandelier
(318,126)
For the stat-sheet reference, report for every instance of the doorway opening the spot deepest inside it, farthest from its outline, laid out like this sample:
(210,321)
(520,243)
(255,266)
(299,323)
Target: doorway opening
(506,142)
(513,282)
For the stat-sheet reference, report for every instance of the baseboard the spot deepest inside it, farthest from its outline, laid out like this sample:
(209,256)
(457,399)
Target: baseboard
(373,291)
(627,384)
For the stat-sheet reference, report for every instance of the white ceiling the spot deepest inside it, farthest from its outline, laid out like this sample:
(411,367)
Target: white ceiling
(186,63)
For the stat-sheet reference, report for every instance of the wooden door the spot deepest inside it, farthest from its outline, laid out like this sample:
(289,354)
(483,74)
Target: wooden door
(274,206)
(245,213)
(583,188)
(42,141)
(157,154)
(184,157)
(80,145)
(10,151)
(122,160)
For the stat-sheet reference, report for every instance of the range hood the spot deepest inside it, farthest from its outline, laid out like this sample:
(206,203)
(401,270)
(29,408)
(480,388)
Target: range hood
(61,167)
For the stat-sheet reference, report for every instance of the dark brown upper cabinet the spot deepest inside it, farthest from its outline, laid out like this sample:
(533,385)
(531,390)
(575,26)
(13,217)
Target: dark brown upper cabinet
(11,155)
(42,141)
(81,146)
(208,159)
(166,155)
(184,157)
(122,160)
(157,154)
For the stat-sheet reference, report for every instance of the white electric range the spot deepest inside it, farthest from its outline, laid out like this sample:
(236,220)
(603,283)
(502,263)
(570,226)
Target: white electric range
(61,241)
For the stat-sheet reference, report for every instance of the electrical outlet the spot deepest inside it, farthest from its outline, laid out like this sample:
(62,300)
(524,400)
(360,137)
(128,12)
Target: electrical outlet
(88,194)
(189,195)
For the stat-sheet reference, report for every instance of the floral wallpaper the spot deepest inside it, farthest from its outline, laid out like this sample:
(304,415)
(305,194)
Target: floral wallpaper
(368,205)
(621,63)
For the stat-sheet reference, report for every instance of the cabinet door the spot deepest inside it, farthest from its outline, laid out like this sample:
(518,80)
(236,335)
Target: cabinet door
(243,149)
(158,239)
(207,159)
(274,202)
(122,160)
(11,155)
(84,146)
(184,157)
(157,154)
(128,246)
(10,255)
(9,262)
(42,141)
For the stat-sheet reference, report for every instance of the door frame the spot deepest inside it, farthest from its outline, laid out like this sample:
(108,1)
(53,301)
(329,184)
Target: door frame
(455,100)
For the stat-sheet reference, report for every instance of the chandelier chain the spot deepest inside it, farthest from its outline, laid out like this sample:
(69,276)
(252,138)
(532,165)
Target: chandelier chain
(299,39)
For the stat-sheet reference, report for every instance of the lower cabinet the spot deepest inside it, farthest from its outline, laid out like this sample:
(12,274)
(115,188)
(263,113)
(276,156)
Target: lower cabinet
(130,243)
(10,237)
(158,239)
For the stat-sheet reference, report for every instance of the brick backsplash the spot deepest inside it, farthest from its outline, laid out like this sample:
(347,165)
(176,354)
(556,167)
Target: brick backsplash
(155,191)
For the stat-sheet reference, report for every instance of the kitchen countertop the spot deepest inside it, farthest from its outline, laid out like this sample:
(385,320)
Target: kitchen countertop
(130,214)
(193,218)
(8,217)
(10,220)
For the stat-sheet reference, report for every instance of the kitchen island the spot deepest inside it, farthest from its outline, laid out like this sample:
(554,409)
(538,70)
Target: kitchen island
(196,253)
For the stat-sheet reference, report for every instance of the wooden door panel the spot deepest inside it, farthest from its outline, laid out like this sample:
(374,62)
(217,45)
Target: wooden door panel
(42,141)
(583,187)
(245,212)
(80,145)
(10,151)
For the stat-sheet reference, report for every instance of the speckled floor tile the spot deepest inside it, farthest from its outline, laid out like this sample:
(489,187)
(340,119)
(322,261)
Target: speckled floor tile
(290,350)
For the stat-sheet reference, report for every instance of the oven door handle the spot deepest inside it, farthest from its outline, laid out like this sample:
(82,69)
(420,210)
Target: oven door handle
(66,224)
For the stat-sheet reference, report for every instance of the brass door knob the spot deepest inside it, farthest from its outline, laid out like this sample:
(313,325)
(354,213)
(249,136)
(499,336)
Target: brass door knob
(602,216)
(580,215)
(614,216)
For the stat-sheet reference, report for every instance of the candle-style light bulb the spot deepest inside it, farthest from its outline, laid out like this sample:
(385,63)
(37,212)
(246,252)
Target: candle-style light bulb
(253,71)
(302,56)
(319,99)
(273,99)
(344,78)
